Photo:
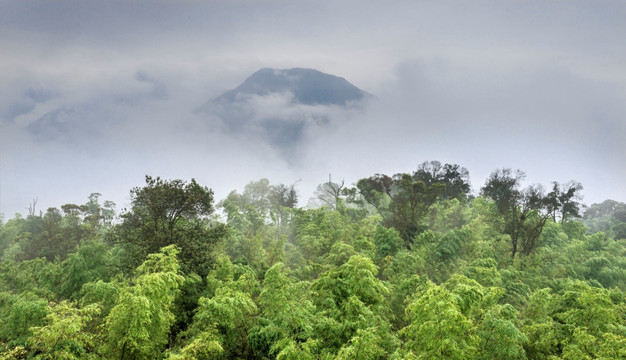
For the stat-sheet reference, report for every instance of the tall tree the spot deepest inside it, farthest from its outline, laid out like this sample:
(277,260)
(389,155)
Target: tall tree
(259,203)
(404,199)
(160,205)
(410,200)
(563,201)
(376,191)
(525,210)
(170,212)
(401,200)
(329,193)
(455,177)
(282,197)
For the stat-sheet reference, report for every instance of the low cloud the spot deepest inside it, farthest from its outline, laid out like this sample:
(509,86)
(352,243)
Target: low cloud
(286,126)
(96,97)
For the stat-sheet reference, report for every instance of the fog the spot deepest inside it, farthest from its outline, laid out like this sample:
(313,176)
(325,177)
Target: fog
(97,95)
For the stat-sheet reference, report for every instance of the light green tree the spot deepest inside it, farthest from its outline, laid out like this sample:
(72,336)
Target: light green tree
(349,298)
(138,326)
(437,328)
(499,335)
(66,334)
(287,315)
(226,313)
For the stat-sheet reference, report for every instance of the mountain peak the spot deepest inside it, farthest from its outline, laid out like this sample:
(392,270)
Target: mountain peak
(308,86)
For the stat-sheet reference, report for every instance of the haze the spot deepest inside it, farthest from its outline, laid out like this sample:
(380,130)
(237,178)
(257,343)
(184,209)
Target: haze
(95,95)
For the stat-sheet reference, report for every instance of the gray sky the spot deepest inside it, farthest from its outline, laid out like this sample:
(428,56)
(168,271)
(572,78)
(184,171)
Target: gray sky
(94,95)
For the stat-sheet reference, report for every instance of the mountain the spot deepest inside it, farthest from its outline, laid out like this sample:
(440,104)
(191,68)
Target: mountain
(308,86)
(284,109)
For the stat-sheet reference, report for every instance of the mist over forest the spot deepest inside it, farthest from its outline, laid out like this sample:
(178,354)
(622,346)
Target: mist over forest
(96,96)
(403,266)
(312,180)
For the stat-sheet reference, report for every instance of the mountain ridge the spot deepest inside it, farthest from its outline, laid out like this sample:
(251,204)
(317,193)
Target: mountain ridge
(308,86)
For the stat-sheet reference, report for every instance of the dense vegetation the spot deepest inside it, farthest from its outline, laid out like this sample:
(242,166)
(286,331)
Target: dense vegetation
(409,266)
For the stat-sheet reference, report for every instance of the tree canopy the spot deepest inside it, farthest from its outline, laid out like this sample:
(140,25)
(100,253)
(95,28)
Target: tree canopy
(409,266)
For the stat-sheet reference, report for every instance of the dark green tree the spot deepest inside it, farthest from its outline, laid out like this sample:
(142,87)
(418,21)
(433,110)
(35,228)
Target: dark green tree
(376,191)
(455,177)
(402,200)
(525,210)
(563,201)
(410,201)
(170,212)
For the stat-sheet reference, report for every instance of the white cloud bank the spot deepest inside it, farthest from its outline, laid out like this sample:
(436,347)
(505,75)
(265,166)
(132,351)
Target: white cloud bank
(96,95)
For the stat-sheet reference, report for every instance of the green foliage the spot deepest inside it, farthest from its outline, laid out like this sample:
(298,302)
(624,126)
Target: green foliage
(454,177)
(198,244)
(231,312)
(516,290)
(186,303)
(103,293)
(402,282)
(92,262)
(574,229)
(409,203)
(36,276)
(446,215)
(228,313)
(402,201)
(138,326)
(260,202)
(317,231)
(604,216)
(205,346)
(499,335)
(619,230)
(357,278)
(66,334)
(349,297)
(322,238)
(366,344)
(387,242)
(429,276)
(18,313)
(8,233)
(54,234)
(579,322)
(485,272)
(437,328)
(165,213)
(449,246)
(461,319)
(527,210)
(291,350)
(563,201)
(286,314)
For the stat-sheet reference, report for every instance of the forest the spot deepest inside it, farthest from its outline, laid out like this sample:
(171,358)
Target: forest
(414,265)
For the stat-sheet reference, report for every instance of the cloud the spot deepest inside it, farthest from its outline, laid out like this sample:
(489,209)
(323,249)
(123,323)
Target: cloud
(277,119)
(96,95)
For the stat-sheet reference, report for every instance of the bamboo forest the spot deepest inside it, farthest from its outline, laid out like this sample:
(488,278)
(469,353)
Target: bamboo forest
(417,265)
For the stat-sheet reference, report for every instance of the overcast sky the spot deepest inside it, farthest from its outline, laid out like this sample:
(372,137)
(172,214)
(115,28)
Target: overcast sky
(94,95)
